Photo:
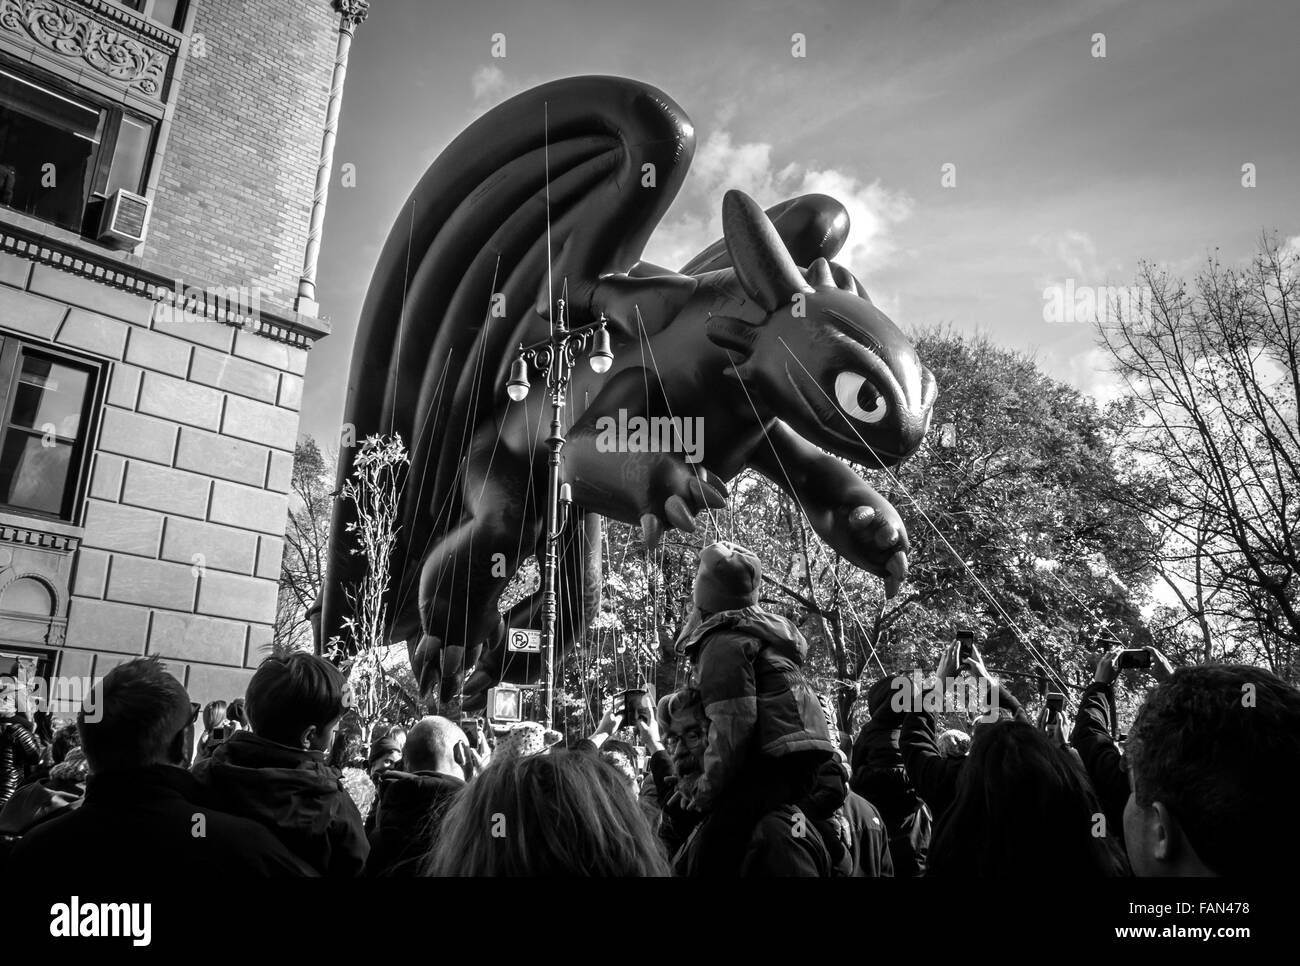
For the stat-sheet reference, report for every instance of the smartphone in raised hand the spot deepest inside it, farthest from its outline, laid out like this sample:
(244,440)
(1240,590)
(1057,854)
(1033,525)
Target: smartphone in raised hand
(965,648)
(1133,657)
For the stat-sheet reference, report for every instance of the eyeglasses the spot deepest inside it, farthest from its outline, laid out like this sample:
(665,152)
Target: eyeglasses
(692,738)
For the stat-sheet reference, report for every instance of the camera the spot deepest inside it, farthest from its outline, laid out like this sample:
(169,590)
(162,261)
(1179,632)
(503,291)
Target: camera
(1133,657)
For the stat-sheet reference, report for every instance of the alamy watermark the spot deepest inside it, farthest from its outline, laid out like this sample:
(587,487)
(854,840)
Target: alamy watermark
(1095,304)
(33,694)
(227,302)
(651,434)
(964,695)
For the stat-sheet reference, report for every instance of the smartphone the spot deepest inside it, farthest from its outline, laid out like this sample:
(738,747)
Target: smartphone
(965,647)
(1055,701)
(1133,657)
(471,727)
(630,702)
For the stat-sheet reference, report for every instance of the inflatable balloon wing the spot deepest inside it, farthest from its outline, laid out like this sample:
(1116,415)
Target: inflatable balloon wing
(760,354)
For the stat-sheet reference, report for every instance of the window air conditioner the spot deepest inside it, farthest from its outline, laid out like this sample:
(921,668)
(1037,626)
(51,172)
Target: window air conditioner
(124,220)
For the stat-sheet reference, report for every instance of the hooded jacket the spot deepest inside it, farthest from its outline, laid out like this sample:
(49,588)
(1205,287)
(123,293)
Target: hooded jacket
(408,810)
(292,792)
(749,671)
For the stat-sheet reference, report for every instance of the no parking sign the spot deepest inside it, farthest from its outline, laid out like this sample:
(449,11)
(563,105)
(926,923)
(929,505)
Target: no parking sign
(524,640)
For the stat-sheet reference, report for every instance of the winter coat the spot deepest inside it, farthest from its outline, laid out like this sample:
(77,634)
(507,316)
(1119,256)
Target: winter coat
(408,811)
(749,671)
(867,853)
(19,750)
(38,802)
(292,792)
(933,775)
(143,824)
(787,844)
(1100,755)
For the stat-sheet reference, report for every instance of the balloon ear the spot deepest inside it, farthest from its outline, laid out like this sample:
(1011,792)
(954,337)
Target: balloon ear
(764,268)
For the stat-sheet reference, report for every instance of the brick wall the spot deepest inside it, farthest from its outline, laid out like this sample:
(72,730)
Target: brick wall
(184,520)
(239,167)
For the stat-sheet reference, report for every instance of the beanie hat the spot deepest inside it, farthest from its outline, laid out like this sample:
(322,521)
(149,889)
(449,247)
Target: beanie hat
(729,578)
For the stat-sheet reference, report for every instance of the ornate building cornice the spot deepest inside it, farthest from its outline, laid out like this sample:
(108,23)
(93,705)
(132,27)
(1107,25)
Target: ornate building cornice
(36,536)
(118,44)
(198,299)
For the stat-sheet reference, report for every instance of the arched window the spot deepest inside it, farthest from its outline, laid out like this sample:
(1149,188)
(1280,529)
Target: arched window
(27,595)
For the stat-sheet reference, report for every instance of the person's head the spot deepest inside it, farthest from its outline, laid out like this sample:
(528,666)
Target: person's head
(437,745)
(729,578)
(953,743)
(1023,807)
(559,814)
(235,711)
(385,752)
(524,740)
(1214,765)
(685,730)
(66,740)
(623,757)
(296,700)
(71,772)
(214,715)
(144,717)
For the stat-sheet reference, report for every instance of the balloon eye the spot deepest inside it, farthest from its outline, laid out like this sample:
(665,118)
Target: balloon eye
(848,388)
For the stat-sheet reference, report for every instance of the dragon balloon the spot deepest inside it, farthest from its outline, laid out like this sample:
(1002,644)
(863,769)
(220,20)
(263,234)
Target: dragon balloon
(773,351)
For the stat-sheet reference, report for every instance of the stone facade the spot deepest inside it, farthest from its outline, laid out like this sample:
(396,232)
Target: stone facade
(174,547)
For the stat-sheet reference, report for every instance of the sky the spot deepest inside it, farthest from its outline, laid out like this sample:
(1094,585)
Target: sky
(985,152)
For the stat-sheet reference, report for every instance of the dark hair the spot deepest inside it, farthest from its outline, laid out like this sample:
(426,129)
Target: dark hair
(677,703)
(235,712)
(288,695)
(65,740)
(558,814)
(1219,746)
(1023,808)
(141,709)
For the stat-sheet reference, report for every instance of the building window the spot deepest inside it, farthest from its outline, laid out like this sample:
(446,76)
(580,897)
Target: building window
(47,402)
(62,151)
(169,13)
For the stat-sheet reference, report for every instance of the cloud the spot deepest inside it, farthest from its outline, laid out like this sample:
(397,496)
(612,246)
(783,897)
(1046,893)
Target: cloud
(492,86)
(1076,252)
(695,220)
(1092,373)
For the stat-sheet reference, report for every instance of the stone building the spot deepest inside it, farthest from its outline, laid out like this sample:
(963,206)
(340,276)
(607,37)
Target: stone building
(158,183)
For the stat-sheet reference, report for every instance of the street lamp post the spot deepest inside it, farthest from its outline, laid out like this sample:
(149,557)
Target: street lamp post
(556,356)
